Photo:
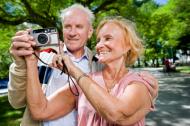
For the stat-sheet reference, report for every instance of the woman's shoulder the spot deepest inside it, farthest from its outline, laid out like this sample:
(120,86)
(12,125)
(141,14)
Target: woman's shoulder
(132,76)
(135,77)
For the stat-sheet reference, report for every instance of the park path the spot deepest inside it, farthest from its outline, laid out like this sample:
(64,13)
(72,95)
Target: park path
(173,102)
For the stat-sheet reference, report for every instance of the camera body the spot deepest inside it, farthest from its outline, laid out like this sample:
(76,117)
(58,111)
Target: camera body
(45,37)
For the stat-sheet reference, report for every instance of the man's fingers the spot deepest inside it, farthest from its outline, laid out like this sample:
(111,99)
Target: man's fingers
(154,85)
(24,37)
(29,30)
(153,93)
(17,45)
(152,81)
(21,52)
(146,73)
(149,77)
(20,33)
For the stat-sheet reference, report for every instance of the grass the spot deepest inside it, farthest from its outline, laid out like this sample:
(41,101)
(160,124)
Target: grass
(8,115)
(183,69)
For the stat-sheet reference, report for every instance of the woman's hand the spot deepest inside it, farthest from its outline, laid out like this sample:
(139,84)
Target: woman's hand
(62,62)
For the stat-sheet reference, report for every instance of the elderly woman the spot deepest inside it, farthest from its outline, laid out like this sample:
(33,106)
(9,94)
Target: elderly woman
(113,96)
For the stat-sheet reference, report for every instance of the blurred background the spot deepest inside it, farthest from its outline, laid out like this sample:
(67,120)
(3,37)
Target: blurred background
(164,25)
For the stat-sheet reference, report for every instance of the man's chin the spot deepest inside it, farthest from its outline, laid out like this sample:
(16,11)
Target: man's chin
(74,49)
(73,41)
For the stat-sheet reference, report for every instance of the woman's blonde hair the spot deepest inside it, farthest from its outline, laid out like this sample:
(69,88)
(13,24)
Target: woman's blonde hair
(130,36)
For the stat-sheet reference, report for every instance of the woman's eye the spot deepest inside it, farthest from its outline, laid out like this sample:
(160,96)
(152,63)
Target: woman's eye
(97,40)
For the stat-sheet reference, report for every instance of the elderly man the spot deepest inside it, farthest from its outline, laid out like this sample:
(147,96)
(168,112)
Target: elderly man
(77,29)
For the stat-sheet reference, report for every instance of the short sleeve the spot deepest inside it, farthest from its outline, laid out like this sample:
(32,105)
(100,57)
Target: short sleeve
(137,78)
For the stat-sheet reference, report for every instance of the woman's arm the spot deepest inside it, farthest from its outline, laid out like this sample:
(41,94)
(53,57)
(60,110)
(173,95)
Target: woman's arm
(134,104)
(42,108)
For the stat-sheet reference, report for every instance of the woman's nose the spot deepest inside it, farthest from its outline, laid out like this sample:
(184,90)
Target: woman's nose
(99,45)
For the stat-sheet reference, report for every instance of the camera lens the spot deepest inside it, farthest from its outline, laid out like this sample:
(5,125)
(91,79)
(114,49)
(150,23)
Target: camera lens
(42,38)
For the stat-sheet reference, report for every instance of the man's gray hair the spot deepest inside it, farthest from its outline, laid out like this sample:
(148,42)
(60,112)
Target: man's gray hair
(86,10)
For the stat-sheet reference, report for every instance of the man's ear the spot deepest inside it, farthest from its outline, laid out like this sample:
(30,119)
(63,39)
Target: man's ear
(91,30)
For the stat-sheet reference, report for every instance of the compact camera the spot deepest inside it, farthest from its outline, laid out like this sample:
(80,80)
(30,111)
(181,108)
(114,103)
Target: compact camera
(45,37)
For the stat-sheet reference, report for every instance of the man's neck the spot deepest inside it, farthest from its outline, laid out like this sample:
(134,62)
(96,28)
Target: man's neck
(77,53)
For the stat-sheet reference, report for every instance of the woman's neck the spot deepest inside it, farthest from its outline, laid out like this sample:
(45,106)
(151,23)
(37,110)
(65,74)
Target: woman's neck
(114,70)
(112,73)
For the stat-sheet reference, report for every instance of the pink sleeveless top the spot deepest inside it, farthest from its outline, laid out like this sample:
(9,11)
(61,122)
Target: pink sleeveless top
(87,115)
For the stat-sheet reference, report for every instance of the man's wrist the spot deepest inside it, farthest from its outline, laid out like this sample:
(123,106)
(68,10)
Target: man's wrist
(18,58)
(19,62)
(31,62)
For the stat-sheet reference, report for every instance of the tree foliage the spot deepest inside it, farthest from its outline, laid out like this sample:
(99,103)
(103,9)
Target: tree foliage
(6,32)
(160,26)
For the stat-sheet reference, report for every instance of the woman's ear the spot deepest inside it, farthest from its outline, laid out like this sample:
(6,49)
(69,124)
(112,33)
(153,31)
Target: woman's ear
(126,50)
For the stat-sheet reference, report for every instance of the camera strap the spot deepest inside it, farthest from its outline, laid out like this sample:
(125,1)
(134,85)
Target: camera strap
(64,70)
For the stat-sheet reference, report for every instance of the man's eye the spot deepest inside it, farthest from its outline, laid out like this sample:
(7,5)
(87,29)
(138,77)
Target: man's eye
(79,26)
(66,27)
(107,39)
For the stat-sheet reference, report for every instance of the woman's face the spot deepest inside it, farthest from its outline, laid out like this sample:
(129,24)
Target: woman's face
(110,43)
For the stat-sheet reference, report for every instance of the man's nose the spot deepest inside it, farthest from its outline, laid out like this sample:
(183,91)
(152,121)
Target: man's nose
(73,32)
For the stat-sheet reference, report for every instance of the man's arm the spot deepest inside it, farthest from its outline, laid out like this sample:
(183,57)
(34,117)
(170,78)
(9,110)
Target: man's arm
(17,71)
(17,83)
(56,105)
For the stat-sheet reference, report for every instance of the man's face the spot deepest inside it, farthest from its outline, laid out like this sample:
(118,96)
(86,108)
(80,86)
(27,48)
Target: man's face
(76,30)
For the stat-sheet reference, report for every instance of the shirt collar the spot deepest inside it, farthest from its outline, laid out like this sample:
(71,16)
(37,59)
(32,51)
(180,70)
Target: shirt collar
(85,55)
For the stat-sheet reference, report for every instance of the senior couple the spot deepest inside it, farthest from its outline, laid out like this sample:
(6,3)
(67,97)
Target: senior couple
(109,94)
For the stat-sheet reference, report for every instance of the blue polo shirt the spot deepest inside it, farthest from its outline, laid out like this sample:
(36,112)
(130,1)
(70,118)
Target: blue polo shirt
(57,81)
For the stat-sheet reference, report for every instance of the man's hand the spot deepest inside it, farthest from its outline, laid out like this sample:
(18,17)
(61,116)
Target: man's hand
(21,44)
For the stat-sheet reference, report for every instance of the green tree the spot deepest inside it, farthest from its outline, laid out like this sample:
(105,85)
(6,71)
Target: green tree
(164,27)
(16,13)
(181,8)
(161,26)
(6,32)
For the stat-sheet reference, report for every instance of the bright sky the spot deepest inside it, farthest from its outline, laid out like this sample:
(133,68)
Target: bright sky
(161,1)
